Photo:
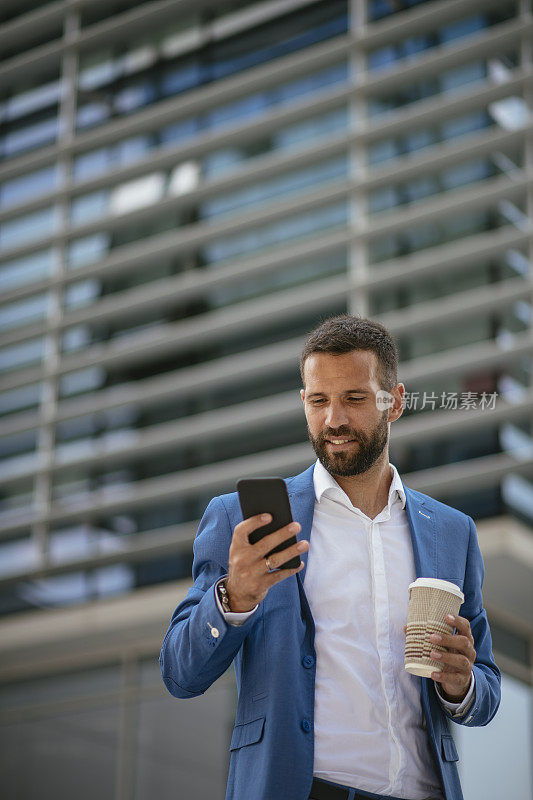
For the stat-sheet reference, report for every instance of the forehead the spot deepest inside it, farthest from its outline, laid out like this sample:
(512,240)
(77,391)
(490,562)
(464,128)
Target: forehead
(358,368)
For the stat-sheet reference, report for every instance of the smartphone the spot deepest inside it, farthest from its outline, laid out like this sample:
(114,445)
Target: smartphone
(268,496)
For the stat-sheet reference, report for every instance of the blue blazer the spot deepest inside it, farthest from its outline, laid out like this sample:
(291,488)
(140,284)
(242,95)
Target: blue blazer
(274,656)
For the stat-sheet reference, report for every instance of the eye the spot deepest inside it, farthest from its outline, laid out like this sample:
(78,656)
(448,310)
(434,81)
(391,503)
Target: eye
(356,399)
(317,401)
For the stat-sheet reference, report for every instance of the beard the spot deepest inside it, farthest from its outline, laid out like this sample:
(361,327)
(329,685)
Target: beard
(352,460)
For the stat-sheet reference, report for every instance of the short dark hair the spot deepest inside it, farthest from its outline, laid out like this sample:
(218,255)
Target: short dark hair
(347,332)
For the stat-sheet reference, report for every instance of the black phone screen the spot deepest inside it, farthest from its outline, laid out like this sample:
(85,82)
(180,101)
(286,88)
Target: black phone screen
(268,496)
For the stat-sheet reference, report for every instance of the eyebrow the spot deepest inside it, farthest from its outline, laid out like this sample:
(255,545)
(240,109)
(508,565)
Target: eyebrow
(348,391)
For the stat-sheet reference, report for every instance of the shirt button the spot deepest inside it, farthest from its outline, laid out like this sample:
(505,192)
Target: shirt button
(306,725)
(308,661)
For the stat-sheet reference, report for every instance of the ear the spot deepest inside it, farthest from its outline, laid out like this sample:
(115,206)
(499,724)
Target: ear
(302,395)
(396,409)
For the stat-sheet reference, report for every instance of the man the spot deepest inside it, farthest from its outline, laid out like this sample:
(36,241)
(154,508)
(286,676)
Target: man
(326,709)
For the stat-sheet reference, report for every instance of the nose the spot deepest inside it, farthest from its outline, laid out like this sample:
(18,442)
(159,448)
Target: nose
(336,416)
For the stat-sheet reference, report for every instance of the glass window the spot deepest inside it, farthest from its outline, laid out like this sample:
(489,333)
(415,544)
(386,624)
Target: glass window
(20,399)
(511,113)
(276,39)
(277,279)
(89,207)
(16,499)
(293,227)
(32,100)
(12,315)
(450,80)
(83,380)
(18,556)
(97,69)
(462,27)
(91,164)
(414,140)
(467,172)
(138,193)
(428,234)
(377,9)
(457,78)
(22,230)
(96,162)
(90,114)
(135,96)
(106,90)
(22,355)
(29,186)
(469,123)
(27,137)
(17,454)
(184,178)
(461,174)
(17,443)
(299,134)
(81,294)
(87,250)
(406,49)
(77,338)
(283,186)
(182,77)
(26,270)
(284,94)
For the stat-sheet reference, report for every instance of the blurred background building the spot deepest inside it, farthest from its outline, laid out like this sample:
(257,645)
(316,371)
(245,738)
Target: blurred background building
(187,188)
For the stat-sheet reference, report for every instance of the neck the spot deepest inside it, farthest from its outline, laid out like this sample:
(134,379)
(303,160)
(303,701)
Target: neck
(368,491)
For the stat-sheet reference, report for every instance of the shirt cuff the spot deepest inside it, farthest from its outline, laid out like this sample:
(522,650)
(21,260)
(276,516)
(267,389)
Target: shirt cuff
(232,617)
(459,709)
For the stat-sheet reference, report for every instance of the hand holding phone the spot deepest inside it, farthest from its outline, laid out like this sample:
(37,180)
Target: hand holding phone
(268,495)
(257,538)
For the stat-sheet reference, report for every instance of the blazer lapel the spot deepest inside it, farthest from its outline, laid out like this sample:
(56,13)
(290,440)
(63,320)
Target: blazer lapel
(302,499)
(421,520)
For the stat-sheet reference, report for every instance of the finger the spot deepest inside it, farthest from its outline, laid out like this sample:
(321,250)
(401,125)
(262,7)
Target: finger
(461,624)
(457,642)
(281,574)
(455,661)
(276,560)
(272,540)
(249,525)
(452,684)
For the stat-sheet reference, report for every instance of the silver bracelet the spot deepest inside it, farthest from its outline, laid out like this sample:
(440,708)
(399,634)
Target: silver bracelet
(223,596)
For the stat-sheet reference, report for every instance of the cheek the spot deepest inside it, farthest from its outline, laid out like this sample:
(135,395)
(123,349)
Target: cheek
(315,419)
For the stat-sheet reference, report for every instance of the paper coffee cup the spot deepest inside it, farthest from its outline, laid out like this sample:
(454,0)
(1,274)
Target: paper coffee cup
(430,600)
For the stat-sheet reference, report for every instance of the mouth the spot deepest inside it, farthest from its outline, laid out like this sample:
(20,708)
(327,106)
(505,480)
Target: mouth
(338,444)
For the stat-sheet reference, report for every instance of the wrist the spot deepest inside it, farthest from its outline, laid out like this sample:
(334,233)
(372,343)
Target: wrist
(453,698)
(234,602)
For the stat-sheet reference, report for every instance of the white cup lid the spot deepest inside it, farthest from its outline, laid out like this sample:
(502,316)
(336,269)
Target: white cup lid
(438,583)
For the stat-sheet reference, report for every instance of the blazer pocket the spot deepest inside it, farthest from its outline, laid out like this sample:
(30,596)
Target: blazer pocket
(449,751)
(247,733)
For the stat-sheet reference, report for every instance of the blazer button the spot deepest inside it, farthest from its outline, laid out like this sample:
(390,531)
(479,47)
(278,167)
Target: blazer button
(308,661)
(306,725)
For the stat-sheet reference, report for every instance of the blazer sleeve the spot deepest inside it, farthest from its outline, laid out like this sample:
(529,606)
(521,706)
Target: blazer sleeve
(486,673)
(199,644)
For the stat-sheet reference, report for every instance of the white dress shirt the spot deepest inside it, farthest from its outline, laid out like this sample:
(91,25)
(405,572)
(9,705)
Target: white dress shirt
(369,730)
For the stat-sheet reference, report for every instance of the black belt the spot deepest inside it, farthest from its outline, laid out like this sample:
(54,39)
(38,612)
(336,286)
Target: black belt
(321,790)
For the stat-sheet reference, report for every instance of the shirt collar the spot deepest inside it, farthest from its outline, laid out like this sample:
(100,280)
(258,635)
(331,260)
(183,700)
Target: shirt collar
(323,482)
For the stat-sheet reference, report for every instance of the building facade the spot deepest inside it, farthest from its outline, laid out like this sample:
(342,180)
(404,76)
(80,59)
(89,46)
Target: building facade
(186,189)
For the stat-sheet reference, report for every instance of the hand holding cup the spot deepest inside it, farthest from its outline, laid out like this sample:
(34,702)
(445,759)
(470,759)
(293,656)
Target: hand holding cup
(431,601)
